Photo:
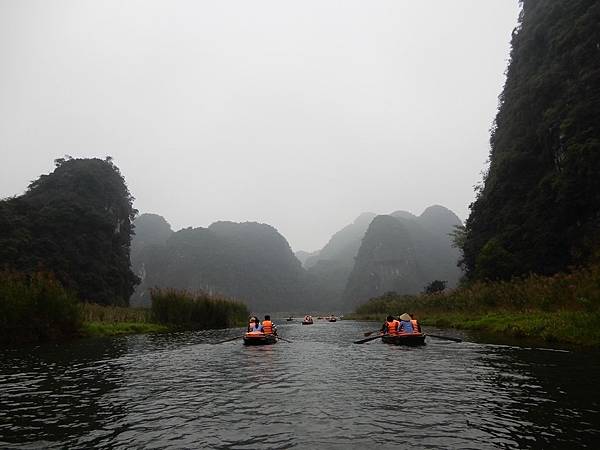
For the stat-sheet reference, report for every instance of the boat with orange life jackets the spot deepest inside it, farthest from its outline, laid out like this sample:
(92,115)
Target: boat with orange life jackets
(412,339)
(259,338)
(263,334)
(405,331)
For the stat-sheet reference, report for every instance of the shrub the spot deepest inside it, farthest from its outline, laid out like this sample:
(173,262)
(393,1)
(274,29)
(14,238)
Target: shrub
(576,291)
(35,308)
(196,311)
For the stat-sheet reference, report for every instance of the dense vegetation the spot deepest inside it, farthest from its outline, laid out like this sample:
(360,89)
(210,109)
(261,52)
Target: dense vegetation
(538,209)
(200,311)
(531,244)
(75,223)
(564,307)
(35,307)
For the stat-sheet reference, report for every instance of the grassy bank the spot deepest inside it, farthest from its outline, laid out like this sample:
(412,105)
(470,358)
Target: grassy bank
(121,328)
(37,308)
(171,310)
(99,320)
(564,308)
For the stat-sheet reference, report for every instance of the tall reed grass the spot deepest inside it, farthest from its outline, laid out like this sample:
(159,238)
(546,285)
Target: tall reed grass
(575,291)
(196,311)
(92,312)
(35,308)
(561,308)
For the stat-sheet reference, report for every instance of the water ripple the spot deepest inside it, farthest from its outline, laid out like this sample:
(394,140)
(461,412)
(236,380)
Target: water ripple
(319,391)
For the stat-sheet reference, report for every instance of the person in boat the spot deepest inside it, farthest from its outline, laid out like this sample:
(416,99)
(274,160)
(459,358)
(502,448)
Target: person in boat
(254,325)
(415,324)
(268,327)
(390,326)
(405,325)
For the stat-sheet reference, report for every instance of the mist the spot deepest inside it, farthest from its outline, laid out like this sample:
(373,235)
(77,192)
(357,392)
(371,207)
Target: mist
(300,115)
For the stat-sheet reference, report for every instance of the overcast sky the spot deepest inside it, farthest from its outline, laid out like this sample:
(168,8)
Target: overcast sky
(298,114)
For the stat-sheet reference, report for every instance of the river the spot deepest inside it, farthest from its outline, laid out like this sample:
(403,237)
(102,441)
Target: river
(319,391)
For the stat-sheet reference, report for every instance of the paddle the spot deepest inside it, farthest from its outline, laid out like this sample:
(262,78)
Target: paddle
(372,338)
(448,338)
(284,340)
(228,340)
(369,333)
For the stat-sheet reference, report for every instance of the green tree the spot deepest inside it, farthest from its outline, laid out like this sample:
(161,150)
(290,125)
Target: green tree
(435,286)
(77,223)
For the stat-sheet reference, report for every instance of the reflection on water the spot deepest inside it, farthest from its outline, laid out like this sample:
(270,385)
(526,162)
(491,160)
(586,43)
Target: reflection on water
(320,391)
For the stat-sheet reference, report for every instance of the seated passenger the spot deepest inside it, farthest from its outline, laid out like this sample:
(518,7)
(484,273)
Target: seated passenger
(254,325)
(390,326)
(268,327)
(405,324)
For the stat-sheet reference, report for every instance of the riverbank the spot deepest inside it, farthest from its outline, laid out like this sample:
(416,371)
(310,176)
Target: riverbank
(97,329)
(564,308)
(568,327)
(172,310)
(36,308)
(99,320)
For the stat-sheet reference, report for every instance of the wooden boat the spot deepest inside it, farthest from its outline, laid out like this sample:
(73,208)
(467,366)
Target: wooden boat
(332,319)
(404,339)
(259,339)
(289,319)
(308,320)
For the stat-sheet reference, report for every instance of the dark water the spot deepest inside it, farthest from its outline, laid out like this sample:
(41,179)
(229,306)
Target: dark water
(320,391)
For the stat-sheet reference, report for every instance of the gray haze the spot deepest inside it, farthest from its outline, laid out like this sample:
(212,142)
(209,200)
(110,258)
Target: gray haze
(298,114)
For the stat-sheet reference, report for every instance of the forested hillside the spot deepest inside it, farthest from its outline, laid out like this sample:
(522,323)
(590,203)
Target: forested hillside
(538,209)
(76,223)
(248,261)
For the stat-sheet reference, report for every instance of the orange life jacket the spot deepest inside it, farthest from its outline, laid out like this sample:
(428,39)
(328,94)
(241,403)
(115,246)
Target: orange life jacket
(267,327)
(415,326)
(392,327)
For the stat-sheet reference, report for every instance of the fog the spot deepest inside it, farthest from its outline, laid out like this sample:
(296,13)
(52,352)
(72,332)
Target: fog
(297,114)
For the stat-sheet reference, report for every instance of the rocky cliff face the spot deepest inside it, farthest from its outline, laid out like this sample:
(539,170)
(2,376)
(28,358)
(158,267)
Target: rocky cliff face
(402,253)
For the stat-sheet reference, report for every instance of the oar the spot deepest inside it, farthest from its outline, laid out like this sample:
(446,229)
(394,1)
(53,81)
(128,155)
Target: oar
(369,333)
(228,340)
(372,338)
(448,338)
(284,340)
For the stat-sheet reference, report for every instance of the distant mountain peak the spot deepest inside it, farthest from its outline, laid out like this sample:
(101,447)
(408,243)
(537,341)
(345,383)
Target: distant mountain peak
(401,214)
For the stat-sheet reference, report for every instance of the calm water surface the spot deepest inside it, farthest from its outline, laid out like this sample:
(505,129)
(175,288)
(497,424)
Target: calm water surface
(320,391)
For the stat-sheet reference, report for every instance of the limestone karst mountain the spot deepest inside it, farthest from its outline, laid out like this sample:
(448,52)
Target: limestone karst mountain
(402,253)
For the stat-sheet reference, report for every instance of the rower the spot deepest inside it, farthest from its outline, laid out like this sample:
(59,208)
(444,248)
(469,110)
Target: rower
(414,323)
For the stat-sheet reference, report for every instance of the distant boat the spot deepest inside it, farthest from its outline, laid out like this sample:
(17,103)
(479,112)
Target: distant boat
(332,319)
(308,320)
(289,319)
